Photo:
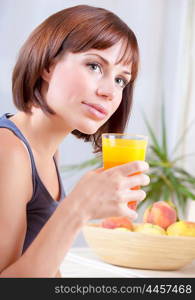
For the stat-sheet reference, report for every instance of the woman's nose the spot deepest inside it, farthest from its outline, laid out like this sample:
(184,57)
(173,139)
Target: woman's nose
(106,91)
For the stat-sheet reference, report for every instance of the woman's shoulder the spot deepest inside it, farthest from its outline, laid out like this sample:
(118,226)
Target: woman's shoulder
(13,151)
(10,143)
(15,165)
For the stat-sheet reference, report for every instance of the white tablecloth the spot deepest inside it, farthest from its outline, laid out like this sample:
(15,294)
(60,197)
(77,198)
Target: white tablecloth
(82,262)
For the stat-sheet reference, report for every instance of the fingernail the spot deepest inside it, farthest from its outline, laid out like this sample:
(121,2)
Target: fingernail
(145,166)
(146,180)
(133,215)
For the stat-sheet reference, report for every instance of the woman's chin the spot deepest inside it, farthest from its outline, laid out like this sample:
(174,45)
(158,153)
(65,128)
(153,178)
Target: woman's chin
(88,130)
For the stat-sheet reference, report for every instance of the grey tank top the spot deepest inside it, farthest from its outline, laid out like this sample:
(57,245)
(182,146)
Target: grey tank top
(41,206)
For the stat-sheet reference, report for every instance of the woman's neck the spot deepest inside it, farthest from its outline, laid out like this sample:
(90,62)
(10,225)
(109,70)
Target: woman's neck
(44,133)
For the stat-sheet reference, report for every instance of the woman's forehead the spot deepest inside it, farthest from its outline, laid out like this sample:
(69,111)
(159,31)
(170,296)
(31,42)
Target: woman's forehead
(118,54)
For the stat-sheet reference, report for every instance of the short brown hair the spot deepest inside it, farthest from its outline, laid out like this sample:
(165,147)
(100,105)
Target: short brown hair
(74,29)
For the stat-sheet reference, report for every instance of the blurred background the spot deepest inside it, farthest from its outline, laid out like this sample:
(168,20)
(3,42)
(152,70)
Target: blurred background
(165,30)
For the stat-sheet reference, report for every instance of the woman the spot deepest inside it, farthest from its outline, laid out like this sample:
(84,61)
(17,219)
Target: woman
(75,74)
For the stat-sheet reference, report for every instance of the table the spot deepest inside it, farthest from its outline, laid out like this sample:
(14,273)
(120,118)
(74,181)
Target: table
(82,262)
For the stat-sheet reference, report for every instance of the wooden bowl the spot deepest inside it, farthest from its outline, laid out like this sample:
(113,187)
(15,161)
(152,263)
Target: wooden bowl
(139,250)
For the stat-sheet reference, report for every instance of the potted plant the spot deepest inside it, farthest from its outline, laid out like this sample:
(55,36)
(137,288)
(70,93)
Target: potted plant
(169,181)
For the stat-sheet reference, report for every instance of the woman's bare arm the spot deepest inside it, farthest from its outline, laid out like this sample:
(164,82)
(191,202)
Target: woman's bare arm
(108,190)
(15,191)
(43,257)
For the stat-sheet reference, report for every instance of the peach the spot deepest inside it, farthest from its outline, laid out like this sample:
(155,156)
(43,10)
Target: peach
(149,229)
(115,222)
(181,228)
(160,213)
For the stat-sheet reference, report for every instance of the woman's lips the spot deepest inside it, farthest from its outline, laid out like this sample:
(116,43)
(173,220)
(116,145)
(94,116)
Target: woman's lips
(96,110)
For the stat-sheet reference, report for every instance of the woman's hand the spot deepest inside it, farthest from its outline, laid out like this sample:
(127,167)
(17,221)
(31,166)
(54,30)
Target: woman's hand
(104,193)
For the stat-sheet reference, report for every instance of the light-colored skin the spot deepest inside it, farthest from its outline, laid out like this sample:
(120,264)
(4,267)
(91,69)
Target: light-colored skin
(99,194)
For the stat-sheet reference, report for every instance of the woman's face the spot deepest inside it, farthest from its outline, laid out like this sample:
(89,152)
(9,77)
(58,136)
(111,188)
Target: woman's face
(85,89)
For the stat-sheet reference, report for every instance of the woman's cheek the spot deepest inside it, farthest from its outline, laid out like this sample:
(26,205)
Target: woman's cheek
(78,83)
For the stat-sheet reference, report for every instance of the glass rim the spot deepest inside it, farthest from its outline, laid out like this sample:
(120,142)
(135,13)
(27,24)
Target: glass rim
(125,135)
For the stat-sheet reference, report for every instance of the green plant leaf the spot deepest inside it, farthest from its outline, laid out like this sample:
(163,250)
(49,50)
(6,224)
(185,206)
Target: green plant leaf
(164,136)
(166,193)
(185,191)
(183,172)
(180,199)
(156,147)
(180,140)
(167,181)
(154,190)
(157,152)
(182,193)
(182,157)
(191,181)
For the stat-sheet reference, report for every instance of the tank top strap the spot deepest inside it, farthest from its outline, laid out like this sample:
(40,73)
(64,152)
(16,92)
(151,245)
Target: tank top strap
(6,123)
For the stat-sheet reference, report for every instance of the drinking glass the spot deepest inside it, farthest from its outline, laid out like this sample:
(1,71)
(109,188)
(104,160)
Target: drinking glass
(118,149)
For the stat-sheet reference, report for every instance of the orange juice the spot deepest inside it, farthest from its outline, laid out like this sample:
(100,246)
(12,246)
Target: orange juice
(118,149)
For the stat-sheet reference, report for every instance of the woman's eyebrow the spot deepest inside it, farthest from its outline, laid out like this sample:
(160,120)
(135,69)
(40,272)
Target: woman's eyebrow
(106,61)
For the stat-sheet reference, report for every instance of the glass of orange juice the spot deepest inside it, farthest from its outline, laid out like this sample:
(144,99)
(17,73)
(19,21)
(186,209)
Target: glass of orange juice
(119,148)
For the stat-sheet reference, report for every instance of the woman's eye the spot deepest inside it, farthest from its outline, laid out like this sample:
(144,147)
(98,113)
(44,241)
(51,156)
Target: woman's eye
(94,67)
(121,82)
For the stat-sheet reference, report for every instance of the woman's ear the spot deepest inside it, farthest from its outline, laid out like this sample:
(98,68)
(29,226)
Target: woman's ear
(47,72)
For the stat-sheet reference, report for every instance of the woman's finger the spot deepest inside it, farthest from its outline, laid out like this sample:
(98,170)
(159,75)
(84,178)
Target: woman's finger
(131,168)
(129,195)
(137,180)
(125,211)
